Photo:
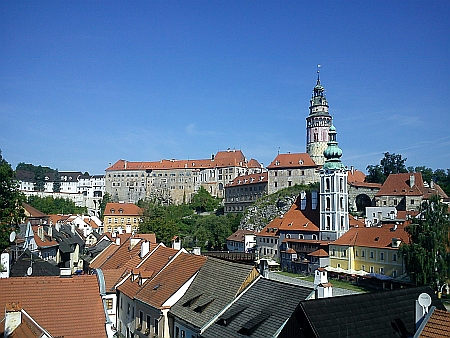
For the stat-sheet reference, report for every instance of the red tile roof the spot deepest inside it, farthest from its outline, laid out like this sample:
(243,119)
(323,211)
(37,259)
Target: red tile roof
(46,240)
(248,179)
(126,256)
(31,211)
(373,237)
(400,185)
(222,159)
(51,301)
(239,235)
(299,160)
(271,229)
(101,258)
(354,175)
(298,220)
(319,253)
(156,291)
(149,267)
(122,209)
(437,326)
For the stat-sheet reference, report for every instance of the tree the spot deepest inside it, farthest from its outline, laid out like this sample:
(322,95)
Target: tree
(105,200)
(393,164)
(202,201)
(11,211)
(375,174)
(427,257)
(389,164)
(57,182)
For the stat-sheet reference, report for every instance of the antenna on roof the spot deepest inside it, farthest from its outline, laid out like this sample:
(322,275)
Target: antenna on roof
(318,73)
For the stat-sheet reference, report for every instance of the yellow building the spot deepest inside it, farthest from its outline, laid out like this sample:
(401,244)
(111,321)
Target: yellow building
(371,249)
(125,216)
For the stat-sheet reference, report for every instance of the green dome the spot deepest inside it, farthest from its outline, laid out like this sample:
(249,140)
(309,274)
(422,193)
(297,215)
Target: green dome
(333,153)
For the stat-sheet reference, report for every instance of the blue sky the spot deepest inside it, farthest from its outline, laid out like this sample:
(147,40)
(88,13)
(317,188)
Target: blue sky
(86,83)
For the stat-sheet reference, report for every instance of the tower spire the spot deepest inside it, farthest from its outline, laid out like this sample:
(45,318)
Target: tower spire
(318,74)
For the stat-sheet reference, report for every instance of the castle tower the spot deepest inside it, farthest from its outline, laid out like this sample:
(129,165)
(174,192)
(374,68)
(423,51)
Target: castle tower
(333,192)
(317,124)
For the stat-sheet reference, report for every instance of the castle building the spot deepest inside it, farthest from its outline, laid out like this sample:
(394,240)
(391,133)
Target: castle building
(317,124)
(176,181)
(334,221)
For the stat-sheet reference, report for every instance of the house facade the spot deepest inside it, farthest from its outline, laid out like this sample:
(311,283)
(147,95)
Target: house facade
(370,249)
(175,181)
(243,191)
(121,217)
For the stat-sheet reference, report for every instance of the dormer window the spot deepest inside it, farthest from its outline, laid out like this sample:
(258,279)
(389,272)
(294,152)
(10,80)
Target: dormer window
(120,211)
(112,210)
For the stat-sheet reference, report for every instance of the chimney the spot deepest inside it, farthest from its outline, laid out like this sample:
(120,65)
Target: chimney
(352,169)
(118,240)
(40,232)
(145,248)
(431,184)
(13,317)
(196,251)
(264,268)
(323,289)
(412,180)
(134,241)
(72,227)
(50,231)
(176,243)
(57,226)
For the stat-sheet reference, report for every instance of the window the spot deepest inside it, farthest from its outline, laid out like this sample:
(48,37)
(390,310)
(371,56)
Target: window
(155,328)
(381,256)
(363,267)
(394,273)
(148,321)
(177,332)
(382,271)
(363,253)
(128,309)
(371,269)
(109,303)
(371,254)
(412,201)
(183,334)
(344,253)
(394,257)
(356,253)
(275,184)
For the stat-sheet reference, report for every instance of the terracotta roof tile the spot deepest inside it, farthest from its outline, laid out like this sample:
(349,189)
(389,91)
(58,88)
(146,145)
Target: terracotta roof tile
(356,176)
(239,235)
(221,159)
(374,237)
(156,291)
(437,326)
(298,160)
(149,267)
(54,300)
(127,256)
(319,253)
(299,220)
(400,185)
(31,211)
(122,209)
(248,179)
(101,258)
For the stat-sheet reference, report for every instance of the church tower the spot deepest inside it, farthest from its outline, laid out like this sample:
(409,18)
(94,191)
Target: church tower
(333,192)
(317,124)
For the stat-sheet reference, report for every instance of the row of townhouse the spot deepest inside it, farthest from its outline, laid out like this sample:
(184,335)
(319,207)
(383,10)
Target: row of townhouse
(84,190)
(155,291)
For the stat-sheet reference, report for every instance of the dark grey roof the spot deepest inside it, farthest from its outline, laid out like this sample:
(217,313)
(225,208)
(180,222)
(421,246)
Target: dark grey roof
(25,175)
(376,314)
(66,239)
(216,285)
(97,248)
(262,311)
(39,266)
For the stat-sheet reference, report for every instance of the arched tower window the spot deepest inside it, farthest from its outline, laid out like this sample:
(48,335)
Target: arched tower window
(328,204)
